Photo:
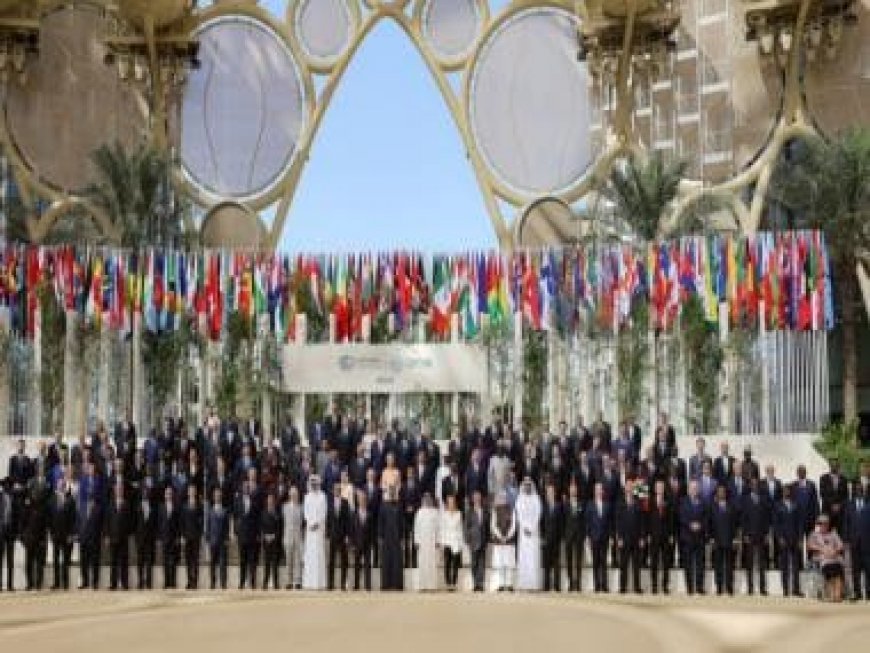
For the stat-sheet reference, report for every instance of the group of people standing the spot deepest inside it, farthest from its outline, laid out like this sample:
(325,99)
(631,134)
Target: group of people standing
(350,496)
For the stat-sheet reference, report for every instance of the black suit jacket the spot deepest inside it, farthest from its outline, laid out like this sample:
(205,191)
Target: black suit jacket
(552,522)
(363,531)
(662,521)
(629,522)
(118,522)
(575,522)
(168,525)
(723,524)
(191,522)
(831,495)
(146,527)
(720,473)
(755,518)
(337,520)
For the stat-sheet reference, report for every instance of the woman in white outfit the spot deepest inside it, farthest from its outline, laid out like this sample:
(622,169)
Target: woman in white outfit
(452,539)
(427,523)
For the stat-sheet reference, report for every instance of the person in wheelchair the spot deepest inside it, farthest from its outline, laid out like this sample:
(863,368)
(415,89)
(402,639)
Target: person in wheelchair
(826,549)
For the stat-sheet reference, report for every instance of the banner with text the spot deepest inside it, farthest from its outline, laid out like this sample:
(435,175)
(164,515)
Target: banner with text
(385,368)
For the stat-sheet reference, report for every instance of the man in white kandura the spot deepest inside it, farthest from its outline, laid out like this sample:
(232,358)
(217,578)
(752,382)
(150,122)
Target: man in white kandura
(314,560)
(426,537)
(528,526)
(503,529)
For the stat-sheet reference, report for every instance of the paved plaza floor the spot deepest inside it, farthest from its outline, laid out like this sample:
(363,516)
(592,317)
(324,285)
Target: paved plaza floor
(279,621)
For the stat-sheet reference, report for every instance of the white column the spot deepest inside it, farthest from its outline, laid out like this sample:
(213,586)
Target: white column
(725,380)
(486,398)
(454,398)
(330,399)
(105,346)
(587,377)
(519,388)
(300,400)
(367,338)
(138,380)
(552,415)
(765,372)
(653,381)
(71,388)
(36,383)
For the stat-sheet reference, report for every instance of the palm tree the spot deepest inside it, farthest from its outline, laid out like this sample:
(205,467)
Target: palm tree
(641,192)
(825,184)
(134,191)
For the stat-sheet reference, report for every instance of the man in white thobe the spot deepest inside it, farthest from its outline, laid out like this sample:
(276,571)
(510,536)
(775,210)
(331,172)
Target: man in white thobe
(427,538)
(503,530)
(314,559)
(528,517)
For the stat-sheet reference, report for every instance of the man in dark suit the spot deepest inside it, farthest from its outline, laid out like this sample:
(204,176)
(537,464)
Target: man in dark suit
(271,532)
(476,536)
(723,466)
(661,531)
(247,515)
(338,535)
(168,532)
(553,526)
(694,521)
(191,533)
(857,537)
(630,531)
(363,536)
(806,499)
(599,529)
(755,526)
(696,462)
(145,535)
(723,531)
(217,536)
(476,478)
(834,492)
(788,530)
(575,537)
(738,485)
(118,529)
(21,468)
(771,490)
(90,525)
(749,468)
(34,531)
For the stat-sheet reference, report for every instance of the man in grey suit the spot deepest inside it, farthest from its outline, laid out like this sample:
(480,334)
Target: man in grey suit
(477,536)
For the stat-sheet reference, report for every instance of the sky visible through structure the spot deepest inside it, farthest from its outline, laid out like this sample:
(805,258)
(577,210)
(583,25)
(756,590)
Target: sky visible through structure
(388,168)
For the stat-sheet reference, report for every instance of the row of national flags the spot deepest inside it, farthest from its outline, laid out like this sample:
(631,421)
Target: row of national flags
(782,280)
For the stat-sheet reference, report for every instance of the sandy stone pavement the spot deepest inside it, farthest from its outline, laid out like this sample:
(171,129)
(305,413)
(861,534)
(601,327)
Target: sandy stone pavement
(135,622)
